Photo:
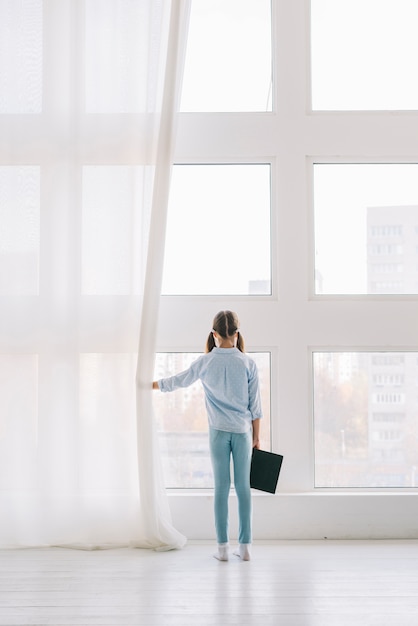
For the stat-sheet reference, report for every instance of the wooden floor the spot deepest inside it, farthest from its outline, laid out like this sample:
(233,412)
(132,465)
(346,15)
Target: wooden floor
(309,583)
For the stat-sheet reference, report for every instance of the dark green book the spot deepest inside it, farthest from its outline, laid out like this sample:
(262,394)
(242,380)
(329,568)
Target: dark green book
(265,470)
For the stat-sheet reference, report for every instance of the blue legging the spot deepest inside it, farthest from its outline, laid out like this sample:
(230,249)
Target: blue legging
(222,445)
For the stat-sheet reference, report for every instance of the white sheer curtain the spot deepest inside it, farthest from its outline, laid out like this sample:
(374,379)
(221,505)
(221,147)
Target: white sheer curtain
(86,88)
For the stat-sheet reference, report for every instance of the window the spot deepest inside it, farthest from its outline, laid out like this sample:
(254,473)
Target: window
(182,422)
(364,54)
(220,242)
(228,61)
(111,231)
(107,417)
(117,49)
(18,421)
(365,436)
(386,230)
(21,57)
(388,380)
(19,232)
(218,232)
(365,217)
(344,274)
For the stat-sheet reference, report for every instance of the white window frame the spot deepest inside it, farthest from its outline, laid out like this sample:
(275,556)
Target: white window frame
(294,322)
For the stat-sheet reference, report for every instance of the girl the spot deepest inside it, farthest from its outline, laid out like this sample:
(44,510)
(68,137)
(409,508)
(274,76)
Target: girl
(230,382)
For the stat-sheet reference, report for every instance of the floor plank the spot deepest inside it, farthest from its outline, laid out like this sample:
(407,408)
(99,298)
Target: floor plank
(307,583)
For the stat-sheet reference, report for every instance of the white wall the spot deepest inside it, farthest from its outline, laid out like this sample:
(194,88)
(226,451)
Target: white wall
(306,516)
(293,322)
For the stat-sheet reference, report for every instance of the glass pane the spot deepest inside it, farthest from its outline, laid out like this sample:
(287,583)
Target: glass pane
(119,55)
(182,422)
(18,420)
(107,418)
(19,231)
(111,229)
(364,54)
(366,419)
(218,231)
(228,59)
(366,228)
(20,56)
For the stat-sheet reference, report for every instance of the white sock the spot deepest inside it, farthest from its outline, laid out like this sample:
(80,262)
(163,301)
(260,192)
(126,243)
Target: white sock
(243,551)
(222,554)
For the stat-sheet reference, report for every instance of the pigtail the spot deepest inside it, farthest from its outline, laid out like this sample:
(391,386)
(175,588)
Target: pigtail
(210,343)
(240,342)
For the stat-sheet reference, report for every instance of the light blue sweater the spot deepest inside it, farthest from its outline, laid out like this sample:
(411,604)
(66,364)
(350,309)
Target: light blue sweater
(230,382)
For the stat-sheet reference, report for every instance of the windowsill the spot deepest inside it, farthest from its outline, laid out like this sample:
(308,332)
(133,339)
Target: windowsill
(401,491)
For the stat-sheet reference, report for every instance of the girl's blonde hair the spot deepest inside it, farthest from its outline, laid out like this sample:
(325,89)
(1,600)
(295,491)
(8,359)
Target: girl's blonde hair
(226,325)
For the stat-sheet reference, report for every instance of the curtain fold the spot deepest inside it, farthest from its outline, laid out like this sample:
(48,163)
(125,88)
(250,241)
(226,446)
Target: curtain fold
(87,119)
(156,524)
